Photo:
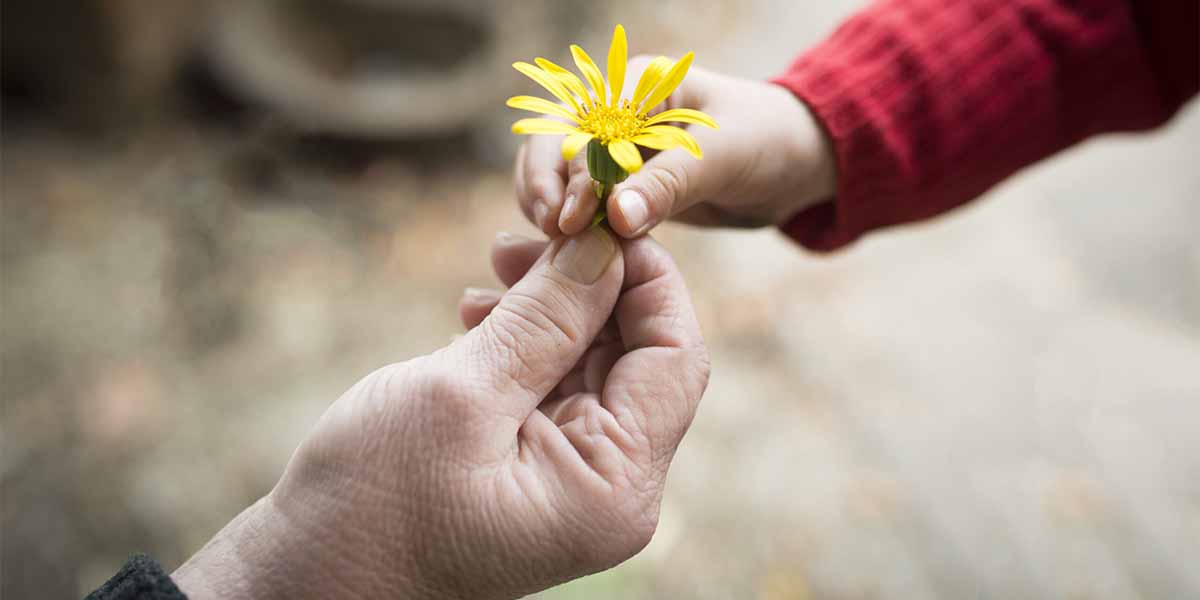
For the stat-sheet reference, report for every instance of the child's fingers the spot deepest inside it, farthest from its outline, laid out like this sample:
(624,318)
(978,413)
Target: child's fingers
(578,205)
(581,203)
(540,176)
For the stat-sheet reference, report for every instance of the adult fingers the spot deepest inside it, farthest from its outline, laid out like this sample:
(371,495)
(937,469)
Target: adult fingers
(655,387)
(542,326)
(476,304)
(513,255)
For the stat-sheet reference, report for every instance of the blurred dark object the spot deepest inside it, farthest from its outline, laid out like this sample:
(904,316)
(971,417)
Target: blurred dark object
(330,82)
(375,68)
(90,63)
(53,53)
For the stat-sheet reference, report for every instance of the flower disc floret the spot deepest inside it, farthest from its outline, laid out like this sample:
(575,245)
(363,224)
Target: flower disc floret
(608,123)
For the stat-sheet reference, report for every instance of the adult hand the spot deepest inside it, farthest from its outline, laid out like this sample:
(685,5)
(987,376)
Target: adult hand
(768,160)
(529,452)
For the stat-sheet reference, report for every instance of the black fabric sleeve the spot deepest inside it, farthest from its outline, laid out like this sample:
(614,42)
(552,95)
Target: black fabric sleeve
(140,579)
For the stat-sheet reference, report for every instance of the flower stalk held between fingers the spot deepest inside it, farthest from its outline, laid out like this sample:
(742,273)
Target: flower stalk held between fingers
(610,124)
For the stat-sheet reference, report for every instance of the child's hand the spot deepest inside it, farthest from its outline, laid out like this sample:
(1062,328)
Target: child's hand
(768,160)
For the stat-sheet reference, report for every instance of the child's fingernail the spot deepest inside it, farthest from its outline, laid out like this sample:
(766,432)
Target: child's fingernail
(633,208)
(585,257)
(540,210)
(568,209)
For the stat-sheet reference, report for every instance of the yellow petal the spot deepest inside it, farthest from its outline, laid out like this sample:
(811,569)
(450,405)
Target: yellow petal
(590,72)
(683,115)
(529,126)
(681,136)
(545,80)
(669,82)
(626,155)
(569,79)
(573,143)
(674,135)
(656,141)
(617,55)
(541,105)
(650,77)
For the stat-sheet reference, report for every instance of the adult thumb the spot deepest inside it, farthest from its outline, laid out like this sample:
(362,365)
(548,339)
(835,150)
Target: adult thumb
(544,324)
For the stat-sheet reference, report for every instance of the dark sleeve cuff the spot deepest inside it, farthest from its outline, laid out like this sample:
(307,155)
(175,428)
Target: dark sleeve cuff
(140,579)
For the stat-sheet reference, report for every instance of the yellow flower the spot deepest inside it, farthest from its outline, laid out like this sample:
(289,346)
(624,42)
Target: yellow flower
(603,116)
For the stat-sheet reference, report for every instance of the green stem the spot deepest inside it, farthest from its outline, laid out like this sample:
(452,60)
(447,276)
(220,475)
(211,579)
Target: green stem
(606,173)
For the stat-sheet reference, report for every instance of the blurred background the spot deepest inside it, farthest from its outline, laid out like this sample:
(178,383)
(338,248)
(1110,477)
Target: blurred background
(218,215)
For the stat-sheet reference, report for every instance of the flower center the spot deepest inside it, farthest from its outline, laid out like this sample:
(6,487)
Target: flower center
(610,123)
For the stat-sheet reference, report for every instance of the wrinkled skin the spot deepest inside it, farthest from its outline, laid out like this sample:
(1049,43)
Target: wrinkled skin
(769,160)
(529,452)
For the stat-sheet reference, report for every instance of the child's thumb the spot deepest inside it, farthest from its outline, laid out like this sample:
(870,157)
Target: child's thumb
(666,185)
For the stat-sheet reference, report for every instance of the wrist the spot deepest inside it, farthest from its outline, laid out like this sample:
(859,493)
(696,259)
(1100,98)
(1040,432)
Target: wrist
(265,553)
(819,148)
(808,151)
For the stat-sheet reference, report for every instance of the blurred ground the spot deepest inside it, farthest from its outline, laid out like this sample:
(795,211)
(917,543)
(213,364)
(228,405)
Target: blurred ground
(1002,403)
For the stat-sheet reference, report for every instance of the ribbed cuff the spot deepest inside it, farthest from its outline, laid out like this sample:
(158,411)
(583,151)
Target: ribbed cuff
(844,81)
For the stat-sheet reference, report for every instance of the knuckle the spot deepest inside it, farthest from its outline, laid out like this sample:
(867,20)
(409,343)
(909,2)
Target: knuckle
(439,385)
(528,329)
(547,317)
(505,352)
(578,166)
(552,309)
(541,186)
(579,180)
(671,183)
(445,392)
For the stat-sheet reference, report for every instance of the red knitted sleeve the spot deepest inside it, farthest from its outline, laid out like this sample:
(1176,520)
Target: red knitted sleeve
(929,103)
